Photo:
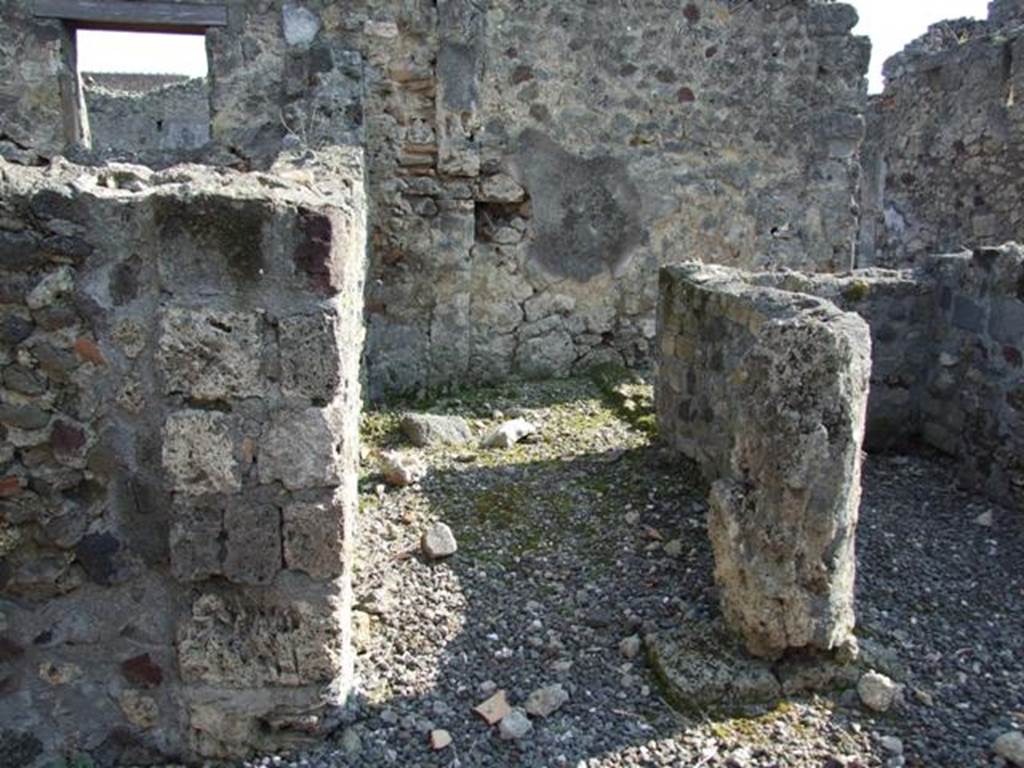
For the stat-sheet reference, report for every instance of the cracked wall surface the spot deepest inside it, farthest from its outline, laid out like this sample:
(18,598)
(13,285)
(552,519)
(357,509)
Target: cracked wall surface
(179,358)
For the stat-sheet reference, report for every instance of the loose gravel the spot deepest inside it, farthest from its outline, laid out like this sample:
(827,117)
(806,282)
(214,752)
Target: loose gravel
(576,542)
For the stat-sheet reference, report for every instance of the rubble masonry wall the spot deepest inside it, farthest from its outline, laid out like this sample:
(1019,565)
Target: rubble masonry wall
(767,391)
(944,154)
(179,358)
(526,188)
(947,357)
(166,118)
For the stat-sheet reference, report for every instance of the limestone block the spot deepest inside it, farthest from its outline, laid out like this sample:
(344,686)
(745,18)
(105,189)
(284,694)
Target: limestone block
(195,541)
(545,356)
(310,356)
(240,540)
(314,538)
(546,304)
(500,188)
(773,410)
(300,25)
(301,449)
(228,723)
(252,549)
(139,709)
(430,429)
(199,453)
(246,643)
(210,355)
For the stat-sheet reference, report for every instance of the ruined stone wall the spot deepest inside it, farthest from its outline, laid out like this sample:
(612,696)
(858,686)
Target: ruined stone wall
(947,351)
(973,407)
(525,187)
(900,310)
(170,117)
(767,391)
(948,346)
(541,179)
(35,65)
(944,157)
(179,356)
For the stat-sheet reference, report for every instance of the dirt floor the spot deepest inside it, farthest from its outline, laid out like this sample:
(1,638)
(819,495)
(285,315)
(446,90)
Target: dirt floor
(591,534)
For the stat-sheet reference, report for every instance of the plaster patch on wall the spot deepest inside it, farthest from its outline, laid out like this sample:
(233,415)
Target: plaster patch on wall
(586,210)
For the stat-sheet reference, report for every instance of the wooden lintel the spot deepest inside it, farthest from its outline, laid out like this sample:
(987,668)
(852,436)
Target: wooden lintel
(118,14)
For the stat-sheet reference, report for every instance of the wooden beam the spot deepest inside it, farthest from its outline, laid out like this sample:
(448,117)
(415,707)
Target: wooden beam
(118,14)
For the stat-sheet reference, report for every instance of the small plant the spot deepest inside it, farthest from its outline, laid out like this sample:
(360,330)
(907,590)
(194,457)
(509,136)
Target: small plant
(857,291)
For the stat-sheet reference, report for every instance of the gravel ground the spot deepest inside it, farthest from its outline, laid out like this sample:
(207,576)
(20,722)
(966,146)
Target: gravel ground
(590,534)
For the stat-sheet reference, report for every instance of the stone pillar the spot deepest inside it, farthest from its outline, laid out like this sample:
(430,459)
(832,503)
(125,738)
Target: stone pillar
(260,334)
(179,403)
(767,391)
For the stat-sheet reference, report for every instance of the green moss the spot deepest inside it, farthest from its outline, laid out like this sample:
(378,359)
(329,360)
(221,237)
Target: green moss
(858,290)
(754,728)
(380,428)
(500,513)
(628,395)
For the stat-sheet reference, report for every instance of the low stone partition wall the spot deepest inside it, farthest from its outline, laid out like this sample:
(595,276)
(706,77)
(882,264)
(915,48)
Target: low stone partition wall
(767,391)
(947,360)
(900,312)
(179,357)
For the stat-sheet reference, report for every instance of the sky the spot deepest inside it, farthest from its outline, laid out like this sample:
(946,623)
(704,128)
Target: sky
(890,24)
(149,52)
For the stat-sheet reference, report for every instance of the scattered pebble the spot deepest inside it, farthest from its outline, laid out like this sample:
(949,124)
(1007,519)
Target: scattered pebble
(630,646)
(877,691)
(509,433)
(544,702)
(1010,747)
(891,744)
(515,725)
(985,519)
(440,739)
(439,542)
(494,709)
(400,469)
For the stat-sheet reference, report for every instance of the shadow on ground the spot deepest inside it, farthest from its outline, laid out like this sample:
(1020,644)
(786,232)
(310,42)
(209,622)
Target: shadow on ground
(594,534)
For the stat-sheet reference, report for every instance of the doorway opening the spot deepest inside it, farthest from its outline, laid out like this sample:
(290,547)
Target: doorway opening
(144,91)
(152,48)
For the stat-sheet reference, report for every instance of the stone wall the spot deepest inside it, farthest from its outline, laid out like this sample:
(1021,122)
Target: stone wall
(37,86)
(166,118)
(540,180)
(525,188)
(947,351)
(973,406)
(948,341)
(179,357)
(767,391)
(900,311)
(944,157)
